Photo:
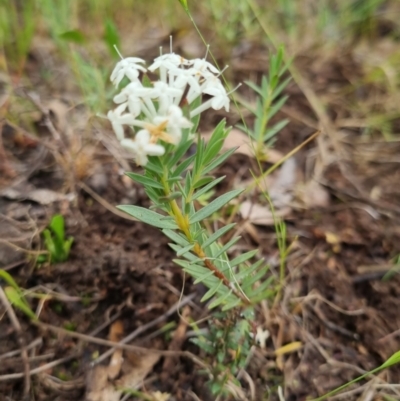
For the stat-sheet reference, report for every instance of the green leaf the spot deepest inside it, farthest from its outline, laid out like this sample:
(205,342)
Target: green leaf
(395,358)
(276,107)
(215,205)
(184,250)
(219,160)
(275,129)
(146,181)
(198,161)
(177,238)
(204,278)
(280,88)
(249,282)
(217,235)
(248,271)
(57,226)
(202,191)
(74,36)
(220,300)
(262,289)
(188,183)
(183,166)
(232,304)
(179,153)
(49,243)
(9,279)
(196,119)
(203,181)
(184,5)
(154,167)
(149,217)
(67,246)
(111,37)
(225,248)
(203,344)
(154,195)
(211,292)
(17,299)
(243,258)
(255,88)
(188,255)
(216,142)
(171,196)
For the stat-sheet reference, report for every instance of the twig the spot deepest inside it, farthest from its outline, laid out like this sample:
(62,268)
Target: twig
(40,369)
(145,327)
(122,344)
(21,341)
(10,354)
(104,203)
(176,343)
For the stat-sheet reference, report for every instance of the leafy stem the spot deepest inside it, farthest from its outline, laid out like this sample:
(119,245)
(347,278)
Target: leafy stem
(183,222)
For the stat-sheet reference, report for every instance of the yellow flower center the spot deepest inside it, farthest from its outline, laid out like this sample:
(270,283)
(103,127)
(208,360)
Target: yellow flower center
(158,132)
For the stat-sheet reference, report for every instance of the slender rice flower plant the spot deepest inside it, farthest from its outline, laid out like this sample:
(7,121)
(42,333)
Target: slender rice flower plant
(157,122)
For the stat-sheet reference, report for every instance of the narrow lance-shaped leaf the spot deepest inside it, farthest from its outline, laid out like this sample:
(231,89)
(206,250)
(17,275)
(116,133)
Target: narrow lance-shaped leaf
(179,153)
(183,166)
(148,216)
(185,250)
(211,292)
(226,247)
(214,206)
(211,185)
(243,257)
(219,160)
(217,235)
(17,300)
(177,238)
(220,300)
(146,181)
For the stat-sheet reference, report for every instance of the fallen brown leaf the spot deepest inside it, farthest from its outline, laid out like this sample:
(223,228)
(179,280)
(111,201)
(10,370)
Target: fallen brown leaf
(261,214)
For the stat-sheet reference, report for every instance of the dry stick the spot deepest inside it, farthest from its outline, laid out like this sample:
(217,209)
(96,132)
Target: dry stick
(104,203)
(20,339)
(52,364)
(99,341)
(40,369)
(143,328)
(176,342)
(121,344)
(10,354)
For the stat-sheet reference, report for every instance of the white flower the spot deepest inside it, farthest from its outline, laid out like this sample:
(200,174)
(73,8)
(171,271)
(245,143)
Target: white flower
(118,120)
(220,99)
(174,121)
(166,62)
(127,67)
(261,337)
(165,95)
(185,77)
(202,66)
(142,147)
(133,95)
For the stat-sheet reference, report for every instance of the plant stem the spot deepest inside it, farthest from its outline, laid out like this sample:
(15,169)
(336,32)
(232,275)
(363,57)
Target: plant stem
(182,221)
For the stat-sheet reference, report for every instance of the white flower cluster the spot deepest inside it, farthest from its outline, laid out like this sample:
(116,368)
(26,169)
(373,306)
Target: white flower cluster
(154,113)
